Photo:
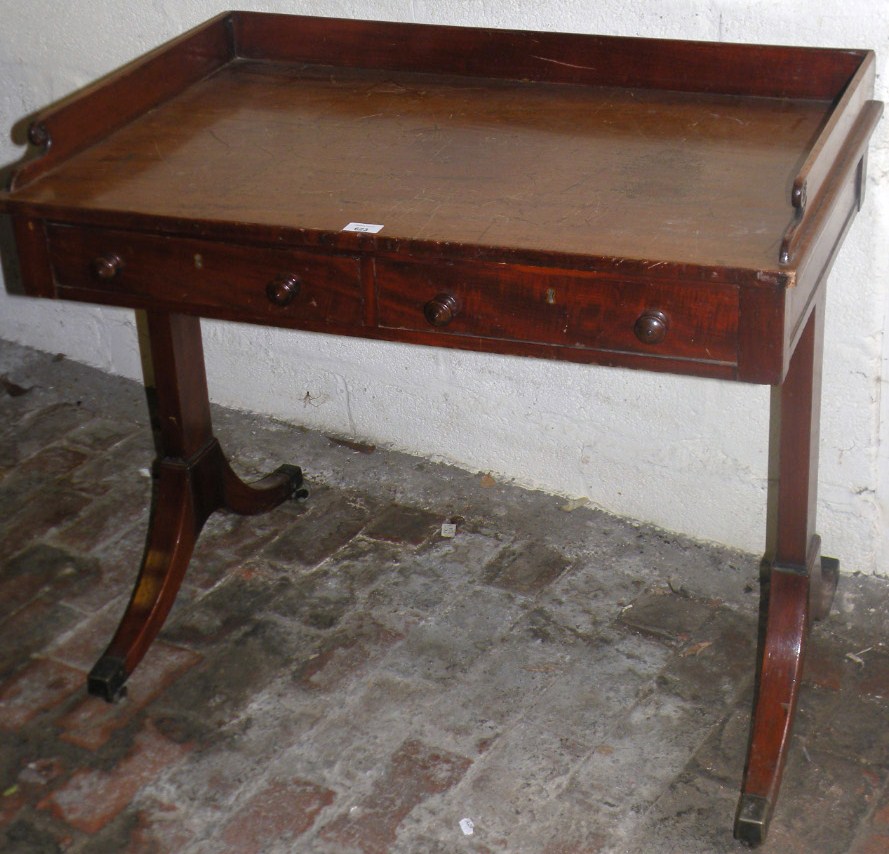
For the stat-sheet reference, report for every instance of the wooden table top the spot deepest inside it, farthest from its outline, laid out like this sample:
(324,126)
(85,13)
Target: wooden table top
(577,195)
(645,174)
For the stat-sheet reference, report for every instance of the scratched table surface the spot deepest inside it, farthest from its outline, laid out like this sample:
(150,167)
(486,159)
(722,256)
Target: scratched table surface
(692,178)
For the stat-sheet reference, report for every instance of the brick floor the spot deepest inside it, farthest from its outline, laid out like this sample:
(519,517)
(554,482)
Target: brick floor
(283,811)
(91,798)
(41,685)
(416,772)
(90,724)
(336,676)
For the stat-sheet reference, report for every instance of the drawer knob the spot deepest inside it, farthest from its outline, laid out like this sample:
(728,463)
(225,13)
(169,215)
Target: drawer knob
(107,266)
(651,327)
(441,309)
(283,289)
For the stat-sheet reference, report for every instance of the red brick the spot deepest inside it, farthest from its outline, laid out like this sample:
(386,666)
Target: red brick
(824,667)
(787,840)
(40,686)
(399,524)
(33,627)
(281,812)
(44,569)
(101,434)
(824,673)
(106,519)
(527,568)
(82,646)
(323,529)
(46,426)
(39,772)
(92,722)
(667,617)
(92,798)
(574,848)
(114,469)
(347,654)
(875,843)
(29,787)
(416,772)
(881,816)
(874,681)
(38,517)
(229,541)
(36,473)
(159,828)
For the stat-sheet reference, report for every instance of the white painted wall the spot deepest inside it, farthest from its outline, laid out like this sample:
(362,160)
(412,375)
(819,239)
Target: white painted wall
(699,467)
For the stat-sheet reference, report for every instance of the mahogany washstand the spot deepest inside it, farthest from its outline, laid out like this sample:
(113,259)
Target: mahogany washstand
(663,205)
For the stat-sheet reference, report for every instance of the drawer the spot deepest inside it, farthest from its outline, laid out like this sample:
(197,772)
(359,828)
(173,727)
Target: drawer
(568,309)
(260,284)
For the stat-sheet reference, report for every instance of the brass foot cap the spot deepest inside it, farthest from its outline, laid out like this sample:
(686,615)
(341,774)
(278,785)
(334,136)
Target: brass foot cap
(106,679)
(752,820)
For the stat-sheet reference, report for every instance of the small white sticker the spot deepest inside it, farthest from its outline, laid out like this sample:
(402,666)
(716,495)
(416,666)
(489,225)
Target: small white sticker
(448,530)
(364,227)
(467,826)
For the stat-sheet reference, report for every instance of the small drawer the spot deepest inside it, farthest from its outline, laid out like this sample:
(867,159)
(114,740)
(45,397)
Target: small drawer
(563,308)
(260,284)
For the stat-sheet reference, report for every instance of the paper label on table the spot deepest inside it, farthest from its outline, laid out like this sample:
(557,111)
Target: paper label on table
(364,227)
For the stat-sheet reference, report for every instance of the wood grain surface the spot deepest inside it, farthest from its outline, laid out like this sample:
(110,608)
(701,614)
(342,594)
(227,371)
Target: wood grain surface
(689,178)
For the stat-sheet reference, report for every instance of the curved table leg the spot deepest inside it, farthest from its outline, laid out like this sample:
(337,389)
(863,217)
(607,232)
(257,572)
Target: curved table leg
(821,593)
(250,499)
(172,536)
(791,606)
(800,583)
(195,479)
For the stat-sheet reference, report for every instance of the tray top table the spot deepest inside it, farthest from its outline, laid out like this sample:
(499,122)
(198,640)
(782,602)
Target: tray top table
(663,205)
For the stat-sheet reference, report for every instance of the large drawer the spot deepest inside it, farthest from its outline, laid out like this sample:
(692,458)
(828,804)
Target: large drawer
(262,284)
(564,308)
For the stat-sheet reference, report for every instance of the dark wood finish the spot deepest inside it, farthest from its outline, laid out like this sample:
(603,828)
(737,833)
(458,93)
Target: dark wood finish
(194,480)
(696,179)
(778,687)
(804,231)
(651,326)
(653,204)
(74,123)
(283,289)
(275,286)
(107,266)
(833,137)
(572,310)
(762,70)
(800,583)
(441,309)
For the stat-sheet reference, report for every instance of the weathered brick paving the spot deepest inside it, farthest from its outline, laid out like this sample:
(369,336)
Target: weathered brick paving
(336,676)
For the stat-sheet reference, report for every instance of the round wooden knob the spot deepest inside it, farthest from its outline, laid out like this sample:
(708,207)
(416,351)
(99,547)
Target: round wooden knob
(107,266)
(651,327)
(38,134)
(283,289)
(441,310)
